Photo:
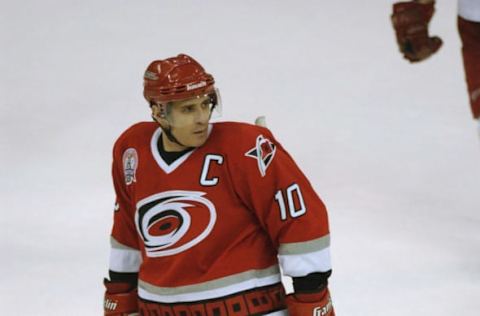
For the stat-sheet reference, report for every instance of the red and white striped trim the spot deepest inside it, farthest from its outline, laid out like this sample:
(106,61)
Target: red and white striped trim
(211,289)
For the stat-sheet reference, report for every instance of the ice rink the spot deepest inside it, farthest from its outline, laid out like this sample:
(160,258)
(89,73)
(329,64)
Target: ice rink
(390,147)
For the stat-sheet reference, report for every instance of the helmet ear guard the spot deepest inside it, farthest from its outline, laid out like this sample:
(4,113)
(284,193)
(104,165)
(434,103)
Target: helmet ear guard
(162,115)
(158,110)
(163,109)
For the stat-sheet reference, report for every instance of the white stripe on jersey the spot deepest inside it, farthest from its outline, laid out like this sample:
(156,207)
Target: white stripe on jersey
(297,248)
(211,289)
(278,313)
(123,258)
(298,265)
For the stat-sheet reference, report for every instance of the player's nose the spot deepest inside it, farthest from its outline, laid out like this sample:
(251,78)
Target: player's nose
(202,116)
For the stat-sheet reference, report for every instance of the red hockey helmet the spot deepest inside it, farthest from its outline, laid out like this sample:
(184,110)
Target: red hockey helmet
(176,78)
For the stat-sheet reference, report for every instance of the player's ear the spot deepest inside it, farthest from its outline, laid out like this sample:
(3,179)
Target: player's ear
(158,114)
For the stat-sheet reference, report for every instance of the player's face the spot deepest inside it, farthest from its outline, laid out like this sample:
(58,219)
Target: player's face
(189,120)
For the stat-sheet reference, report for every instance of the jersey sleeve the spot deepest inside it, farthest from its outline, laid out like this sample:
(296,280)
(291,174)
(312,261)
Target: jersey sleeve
(270,183)
(125,255)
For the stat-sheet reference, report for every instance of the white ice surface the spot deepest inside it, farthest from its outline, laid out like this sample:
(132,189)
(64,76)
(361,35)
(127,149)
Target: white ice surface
(390,147)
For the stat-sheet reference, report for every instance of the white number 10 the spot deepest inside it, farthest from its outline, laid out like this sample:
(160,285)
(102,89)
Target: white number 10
(292,192)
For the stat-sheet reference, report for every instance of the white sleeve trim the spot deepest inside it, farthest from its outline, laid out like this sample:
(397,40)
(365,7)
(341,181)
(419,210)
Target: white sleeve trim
(299,265)
(125,260)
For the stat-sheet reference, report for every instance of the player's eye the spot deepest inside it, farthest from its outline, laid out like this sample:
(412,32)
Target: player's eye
(188,109)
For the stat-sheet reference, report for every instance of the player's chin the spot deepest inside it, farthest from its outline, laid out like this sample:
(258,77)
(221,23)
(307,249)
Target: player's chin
(199,139)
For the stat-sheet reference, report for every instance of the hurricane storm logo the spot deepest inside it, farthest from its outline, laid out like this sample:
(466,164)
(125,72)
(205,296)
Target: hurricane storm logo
(174,221)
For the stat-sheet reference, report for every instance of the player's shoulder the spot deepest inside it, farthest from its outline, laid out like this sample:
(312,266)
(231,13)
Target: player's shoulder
(240,131)
(137,132)
(237,137)
(247,146)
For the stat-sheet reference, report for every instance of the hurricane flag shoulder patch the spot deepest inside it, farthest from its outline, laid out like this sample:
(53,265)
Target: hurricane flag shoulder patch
(263,152)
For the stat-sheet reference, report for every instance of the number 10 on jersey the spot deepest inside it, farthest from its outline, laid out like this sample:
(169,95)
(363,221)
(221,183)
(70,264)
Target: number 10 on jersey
(295,202)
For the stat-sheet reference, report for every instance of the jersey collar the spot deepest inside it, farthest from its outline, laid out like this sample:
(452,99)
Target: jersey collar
(156,155)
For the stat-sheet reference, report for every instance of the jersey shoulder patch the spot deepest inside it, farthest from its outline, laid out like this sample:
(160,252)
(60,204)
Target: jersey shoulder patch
(130,164)
(263,152)
(249,141)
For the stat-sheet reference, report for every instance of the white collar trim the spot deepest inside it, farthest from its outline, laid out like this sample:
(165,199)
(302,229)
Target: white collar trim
(174,165)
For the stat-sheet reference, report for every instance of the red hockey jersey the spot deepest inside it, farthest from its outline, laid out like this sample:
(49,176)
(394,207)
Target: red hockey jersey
(218,220)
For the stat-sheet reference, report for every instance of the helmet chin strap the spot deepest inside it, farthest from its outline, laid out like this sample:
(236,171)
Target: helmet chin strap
(170,136)
(168,132)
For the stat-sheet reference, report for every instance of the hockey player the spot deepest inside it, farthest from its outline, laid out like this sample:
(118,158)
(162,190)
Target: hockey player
(410,20)
(207,213)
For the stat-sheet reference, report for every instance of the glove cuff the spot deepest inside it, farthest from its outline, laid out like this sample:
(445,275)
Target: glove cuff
(120,299)
(316,304)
